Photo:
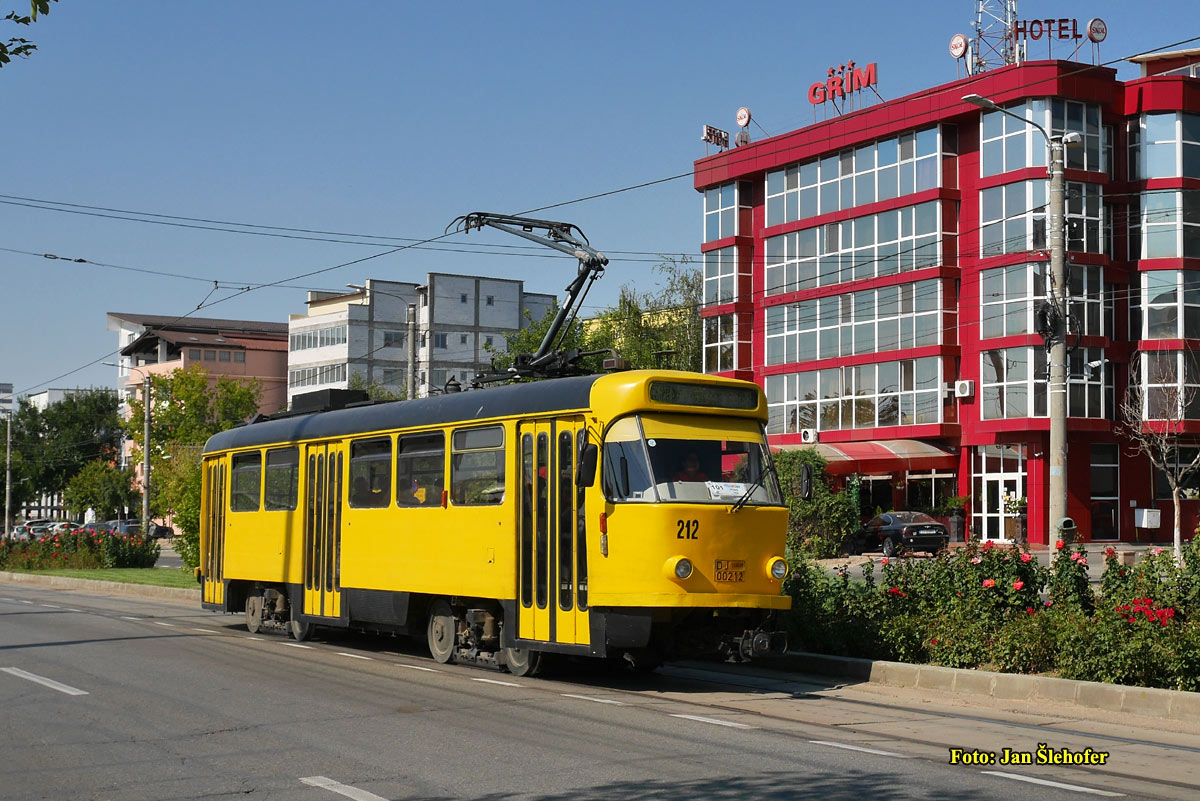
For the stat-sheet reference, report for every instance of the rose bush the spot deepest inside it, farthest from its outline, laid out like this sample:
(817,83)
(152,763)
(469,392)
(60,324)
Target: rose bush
(79,548)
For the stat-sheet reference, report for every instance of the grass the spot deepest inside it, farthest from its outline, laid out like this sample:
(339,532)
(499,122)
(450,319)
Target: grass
(157,576)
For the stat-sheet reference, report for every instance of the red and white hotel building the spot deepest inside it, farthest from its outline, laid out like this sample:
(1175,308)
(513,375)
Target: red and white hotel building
(877,273)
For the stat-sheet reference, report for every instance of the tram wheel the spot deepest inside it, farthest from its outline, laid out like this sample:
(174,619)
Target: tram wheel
(523,661)
(299,630)
(441,632)
(254,613)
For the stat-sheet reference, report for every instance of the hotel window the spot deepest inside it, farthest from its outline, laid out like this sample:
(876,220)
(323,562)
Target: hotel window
(870,321)
(1172,304)
(882,170)
(1091,308)
(1170,224)
(720,276)
(1160,143)
(720,212)
(890,242)
(1012,144)
(866,396)
(720,343)
(1008,295)
(1013,218)
(1084,218)
(1014,382)
(1172,382)
(1083,119)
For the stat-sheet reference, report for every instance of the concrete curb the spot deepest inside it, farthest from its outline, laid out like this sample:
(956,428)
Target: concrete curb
(1148,701)
(110,587)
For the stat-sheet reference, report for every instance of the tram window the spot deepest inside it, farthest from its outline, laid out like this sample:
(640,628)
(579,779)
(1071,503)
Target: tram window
(626,473)
(282,480)
(245,480)
(420,469)
(477,466)
(371,473)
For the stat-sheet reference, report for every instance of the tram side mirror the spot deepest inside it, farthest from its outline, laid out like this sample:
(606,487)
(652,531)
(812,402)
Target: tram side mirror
(806,478)
(585,476)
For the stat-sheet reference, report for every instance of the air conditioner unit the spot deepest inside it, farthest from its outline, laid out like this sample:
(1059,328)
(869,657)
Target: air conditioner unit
(964,389)
(808,436)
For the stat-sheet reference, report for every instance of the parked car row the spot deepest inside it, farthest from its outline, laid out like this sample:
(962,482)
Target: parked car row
(35,529)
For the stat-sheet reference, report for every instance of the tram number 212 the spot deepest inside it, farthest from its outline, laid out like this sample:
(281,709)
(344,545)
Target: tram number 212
(688,530)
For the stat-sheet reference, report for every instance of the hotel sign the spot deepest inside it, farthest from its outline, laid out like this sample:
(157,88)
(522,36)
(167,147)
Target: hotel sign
(1064,28)
(842,80)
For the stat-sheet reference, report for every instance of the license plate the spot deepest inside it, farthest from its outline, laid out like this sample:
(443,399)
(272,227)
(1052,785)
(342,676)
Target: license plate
(729,570)
(929,531)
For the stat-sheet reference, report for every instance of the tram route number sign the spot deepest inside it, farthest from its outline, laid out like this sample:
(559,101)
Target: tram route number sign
(729,570)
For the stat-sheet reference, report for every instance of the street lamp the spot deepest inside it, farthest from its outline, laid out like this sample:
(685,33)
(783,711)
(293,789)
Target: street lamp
(1057,296)
(145,447)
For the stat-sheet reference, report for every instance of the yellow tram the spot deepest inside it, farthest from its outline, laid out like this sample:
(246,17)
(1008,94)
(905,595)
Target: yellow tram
(631,514)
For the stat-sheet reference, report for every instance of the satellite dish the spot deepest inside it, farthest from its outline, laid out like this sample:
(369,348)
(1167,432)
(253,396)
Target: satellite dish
(743,138)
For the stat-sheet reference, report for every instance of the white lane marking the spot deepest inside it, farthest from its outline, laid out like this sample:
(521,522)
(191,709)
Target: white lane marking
(45,682)
(69,609)
(341,789)
(297,645)
(248,637)
(714,721)
(7,599)
(24,602)
(206,631)
(494,681)
(864,749)
(168,625)
(353,656)
(131,618)
(418,667)
(1047,783)
(51,606)
(597,700)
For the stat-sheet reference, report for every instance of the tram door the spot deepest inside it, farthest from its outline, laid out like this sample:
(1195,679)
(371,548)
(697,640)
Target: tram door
(552,553)
(212,557)
(323,530)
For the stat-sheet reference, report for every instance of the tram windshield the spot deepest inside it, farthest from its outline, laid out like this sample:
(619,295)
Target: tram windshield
(688,459)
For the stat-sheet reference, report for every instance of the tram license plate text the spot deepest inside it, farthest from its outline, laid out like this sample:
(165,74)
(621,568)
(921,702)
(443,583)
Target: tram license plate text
(729,570)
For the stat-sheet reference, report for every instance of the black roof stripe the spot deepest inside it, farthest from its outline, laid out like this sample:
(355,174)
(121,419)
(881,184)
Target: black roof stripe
(559,394)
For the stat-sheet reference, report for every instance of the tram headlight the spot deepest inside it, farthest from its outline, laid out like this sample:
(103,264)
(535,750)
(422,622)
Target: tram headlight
(678,567)
(777,568)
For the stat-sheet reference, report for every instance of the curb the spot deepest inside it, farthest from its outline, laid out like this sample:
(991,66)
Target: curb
(1149,701)
(110,587)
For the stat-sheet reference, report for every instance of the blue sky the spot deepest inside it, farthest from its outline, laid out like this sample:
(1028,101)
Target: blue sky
(389,119)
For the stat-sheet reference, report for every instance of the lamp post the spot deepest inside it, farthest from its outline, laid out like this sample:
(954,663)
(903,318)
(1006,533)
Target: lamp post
(145,448)
(8,471)
(1056,295)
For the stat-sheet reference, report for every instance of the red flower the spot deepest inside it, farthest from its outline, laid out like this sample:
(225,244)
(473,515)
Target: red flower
(1110,551)
(1049,603)
(1018,585)
(1029,609)
(1025,557)
(933,641)
(989,582)
(989,545)
(897,591)
(1059,545)
(883,561)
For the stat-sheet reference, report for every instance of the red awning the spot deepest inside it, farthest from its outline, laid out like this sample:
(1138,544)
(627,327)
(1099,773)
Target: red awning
(882,456)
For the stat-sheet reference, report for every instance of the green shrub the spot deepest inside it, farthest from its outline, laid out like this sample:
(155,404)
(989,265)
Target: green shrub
(79,549)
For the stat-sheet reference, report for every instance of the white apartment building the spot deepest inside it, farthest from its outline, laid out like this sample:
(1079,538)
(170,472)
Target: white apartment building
(364,332)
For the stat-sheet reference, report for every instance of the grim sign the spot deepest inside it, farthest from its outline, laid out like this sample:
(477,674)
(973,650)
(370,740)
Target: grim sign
(842,80)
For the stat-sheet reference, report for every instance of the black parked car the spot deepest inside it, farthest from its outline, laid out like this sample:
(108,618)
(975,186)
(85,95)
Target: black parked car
(894,532)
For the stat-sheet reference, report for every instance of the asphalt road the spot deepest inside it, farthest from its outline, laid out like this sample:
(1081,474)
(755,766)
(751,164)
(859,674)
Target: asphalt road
(118,698)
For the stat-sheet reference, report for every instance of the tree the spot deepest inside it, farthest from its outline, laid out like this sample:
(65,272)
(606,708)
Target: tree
(102,487)
(16,46)
(820,525)
(187,407)
(530,337)
(1154,415)
(375,390)
(659,328)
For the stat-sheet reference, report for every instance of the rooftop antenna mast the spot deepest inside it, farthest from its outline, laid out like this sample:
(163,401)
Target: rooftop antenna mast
(993,44)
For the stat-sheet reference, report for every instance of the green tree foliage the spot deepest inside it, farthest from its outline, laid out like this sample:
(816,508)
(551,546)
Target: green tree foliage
(50,447)
(102,487)
(820,526)
(17,47)
(659,328)
(187,407)
(530,337)
(375,390)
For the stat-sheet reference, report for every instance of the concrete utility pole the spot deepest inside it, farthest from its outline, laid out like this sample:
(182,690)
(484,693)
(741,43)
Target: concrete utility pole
(8,475)
(410,386)
(1056,297)
(146,457)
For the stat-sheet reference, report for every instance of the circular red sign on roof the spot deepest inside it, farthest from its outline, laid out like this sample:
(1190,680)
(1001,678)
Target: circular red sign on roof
(1097,30)
(743,117)
(958,45)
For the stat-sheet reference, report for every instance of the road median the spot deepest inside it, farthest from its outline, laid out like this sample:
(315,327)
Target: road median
(110,587)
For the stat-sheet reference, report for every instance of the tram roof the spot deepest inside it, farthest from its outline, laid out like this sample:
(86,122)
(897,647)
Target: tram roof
(462,407)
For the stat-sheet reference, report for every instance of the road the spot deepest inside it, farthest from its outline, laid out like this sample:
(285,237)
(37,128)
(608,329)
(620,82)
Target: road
(118,698)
